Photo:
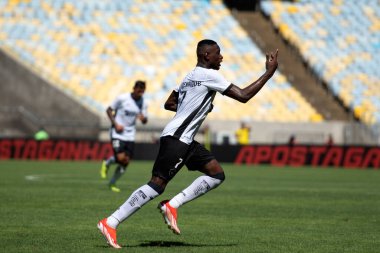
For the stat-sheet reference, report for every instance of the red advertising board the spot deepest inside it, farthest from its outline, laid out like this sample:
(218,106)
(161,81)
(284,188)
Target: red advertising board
(278,155)
(338,156)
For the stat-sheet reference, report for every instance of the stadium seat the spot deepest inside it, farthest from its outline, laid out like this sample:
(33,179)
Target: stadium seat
(337,38)
(95,50)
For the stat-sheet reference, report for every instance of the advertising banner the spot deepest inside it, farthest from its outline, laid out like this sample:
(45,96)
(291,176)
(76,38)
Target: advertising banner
(278,155)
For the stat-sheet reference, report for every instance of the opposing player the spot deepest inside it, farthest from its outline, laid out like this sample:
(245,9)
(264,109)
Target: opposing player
(122,113)
(192,101)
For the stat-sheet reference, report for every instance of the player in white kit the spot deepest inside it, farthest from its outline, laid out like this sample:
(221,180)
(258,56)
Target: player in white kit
(191,101)
(123,113)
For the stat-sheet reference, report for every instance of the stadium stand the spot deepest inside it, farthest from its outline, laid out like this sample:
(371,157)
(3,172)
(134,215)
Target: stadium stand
(338,40)
(94,50)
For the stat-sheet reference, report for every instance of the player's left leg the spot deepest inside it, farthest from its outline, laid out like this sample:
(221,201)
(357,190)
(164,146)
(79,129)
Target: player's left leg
(201,185)
(111,160)
(200,159)
(123,156)
(123,161)
(106,164)
(197,188)
(119,171)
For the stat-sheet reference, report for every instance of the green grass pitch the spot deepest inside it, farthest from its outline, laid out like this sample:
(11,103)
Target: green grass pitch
(54,207)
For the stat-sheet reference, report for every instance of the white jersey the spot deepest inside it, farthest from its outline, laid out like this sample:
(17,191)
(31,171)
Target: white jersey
(126,111)
(196,93)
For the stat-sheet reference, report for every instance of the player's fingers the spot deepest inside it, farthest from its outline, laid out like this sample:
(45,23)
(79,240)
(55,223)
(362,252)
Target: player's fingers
(276,53)
(267,56)
(271,56)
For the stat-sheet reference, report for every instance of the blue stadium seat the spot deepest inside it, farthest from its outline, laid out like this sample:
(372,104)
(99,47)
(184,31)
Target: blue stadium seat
(94,50)
(338,41)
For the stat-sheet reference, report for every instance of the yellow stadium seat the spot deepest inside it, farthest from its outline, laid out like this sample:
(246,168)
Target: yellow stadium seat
(316,117)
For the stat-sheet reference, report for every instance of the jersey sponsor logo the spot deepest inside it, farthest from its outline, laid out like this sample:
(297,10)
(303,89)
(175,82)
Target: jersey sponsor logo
(130,113)
(191,84)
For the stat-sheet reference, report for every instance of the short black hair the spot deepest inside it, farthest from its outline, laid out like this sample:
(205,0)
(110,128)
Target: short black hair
(139,84)
(203,43)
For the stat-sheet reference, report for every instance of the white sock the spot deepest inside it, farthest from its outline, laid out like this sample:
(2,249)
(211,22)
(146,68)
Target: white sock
(137,199)
(200,186)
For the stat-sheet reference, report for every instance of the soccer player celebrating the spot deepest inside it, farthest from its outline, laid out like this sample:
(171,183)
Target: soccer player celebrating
(191,101)
(123,112)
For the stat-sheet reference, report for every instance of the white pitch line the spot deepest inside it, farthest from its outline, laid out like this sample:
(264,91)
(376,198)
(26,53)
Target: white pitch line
(33,178)
(62,178)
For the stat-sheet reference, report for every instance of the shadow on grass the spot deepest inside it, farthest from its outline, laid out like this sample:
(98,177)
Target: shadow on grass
(167,244)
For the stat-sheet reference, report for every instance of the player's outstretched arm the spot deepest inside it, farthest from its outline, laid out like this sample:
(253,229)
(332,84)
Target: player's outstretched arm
(244,95)
(111,116)
(172,102)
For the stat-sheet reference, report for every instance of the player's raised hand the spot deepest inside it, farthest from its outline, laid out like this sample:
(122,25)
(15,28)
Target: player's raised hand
(271,61)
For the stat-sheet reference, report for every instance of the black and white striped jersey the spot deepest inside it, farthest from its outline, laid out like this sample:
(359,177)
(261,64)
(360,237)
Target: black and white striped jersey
(196,93)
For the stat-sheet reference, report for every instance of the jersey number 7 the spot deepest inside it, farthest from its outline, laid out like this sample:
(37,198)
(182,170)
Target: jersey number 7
(181,97)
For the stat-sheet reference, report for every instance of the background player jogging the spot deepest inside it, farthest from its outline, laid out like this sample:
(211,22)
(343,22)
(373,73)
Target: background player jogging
(192,101)
(122,113)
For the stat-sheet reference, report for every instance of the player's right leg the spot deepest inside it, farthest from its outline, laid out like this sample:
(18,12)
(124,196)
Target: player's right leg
(108,233)
(136,200)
